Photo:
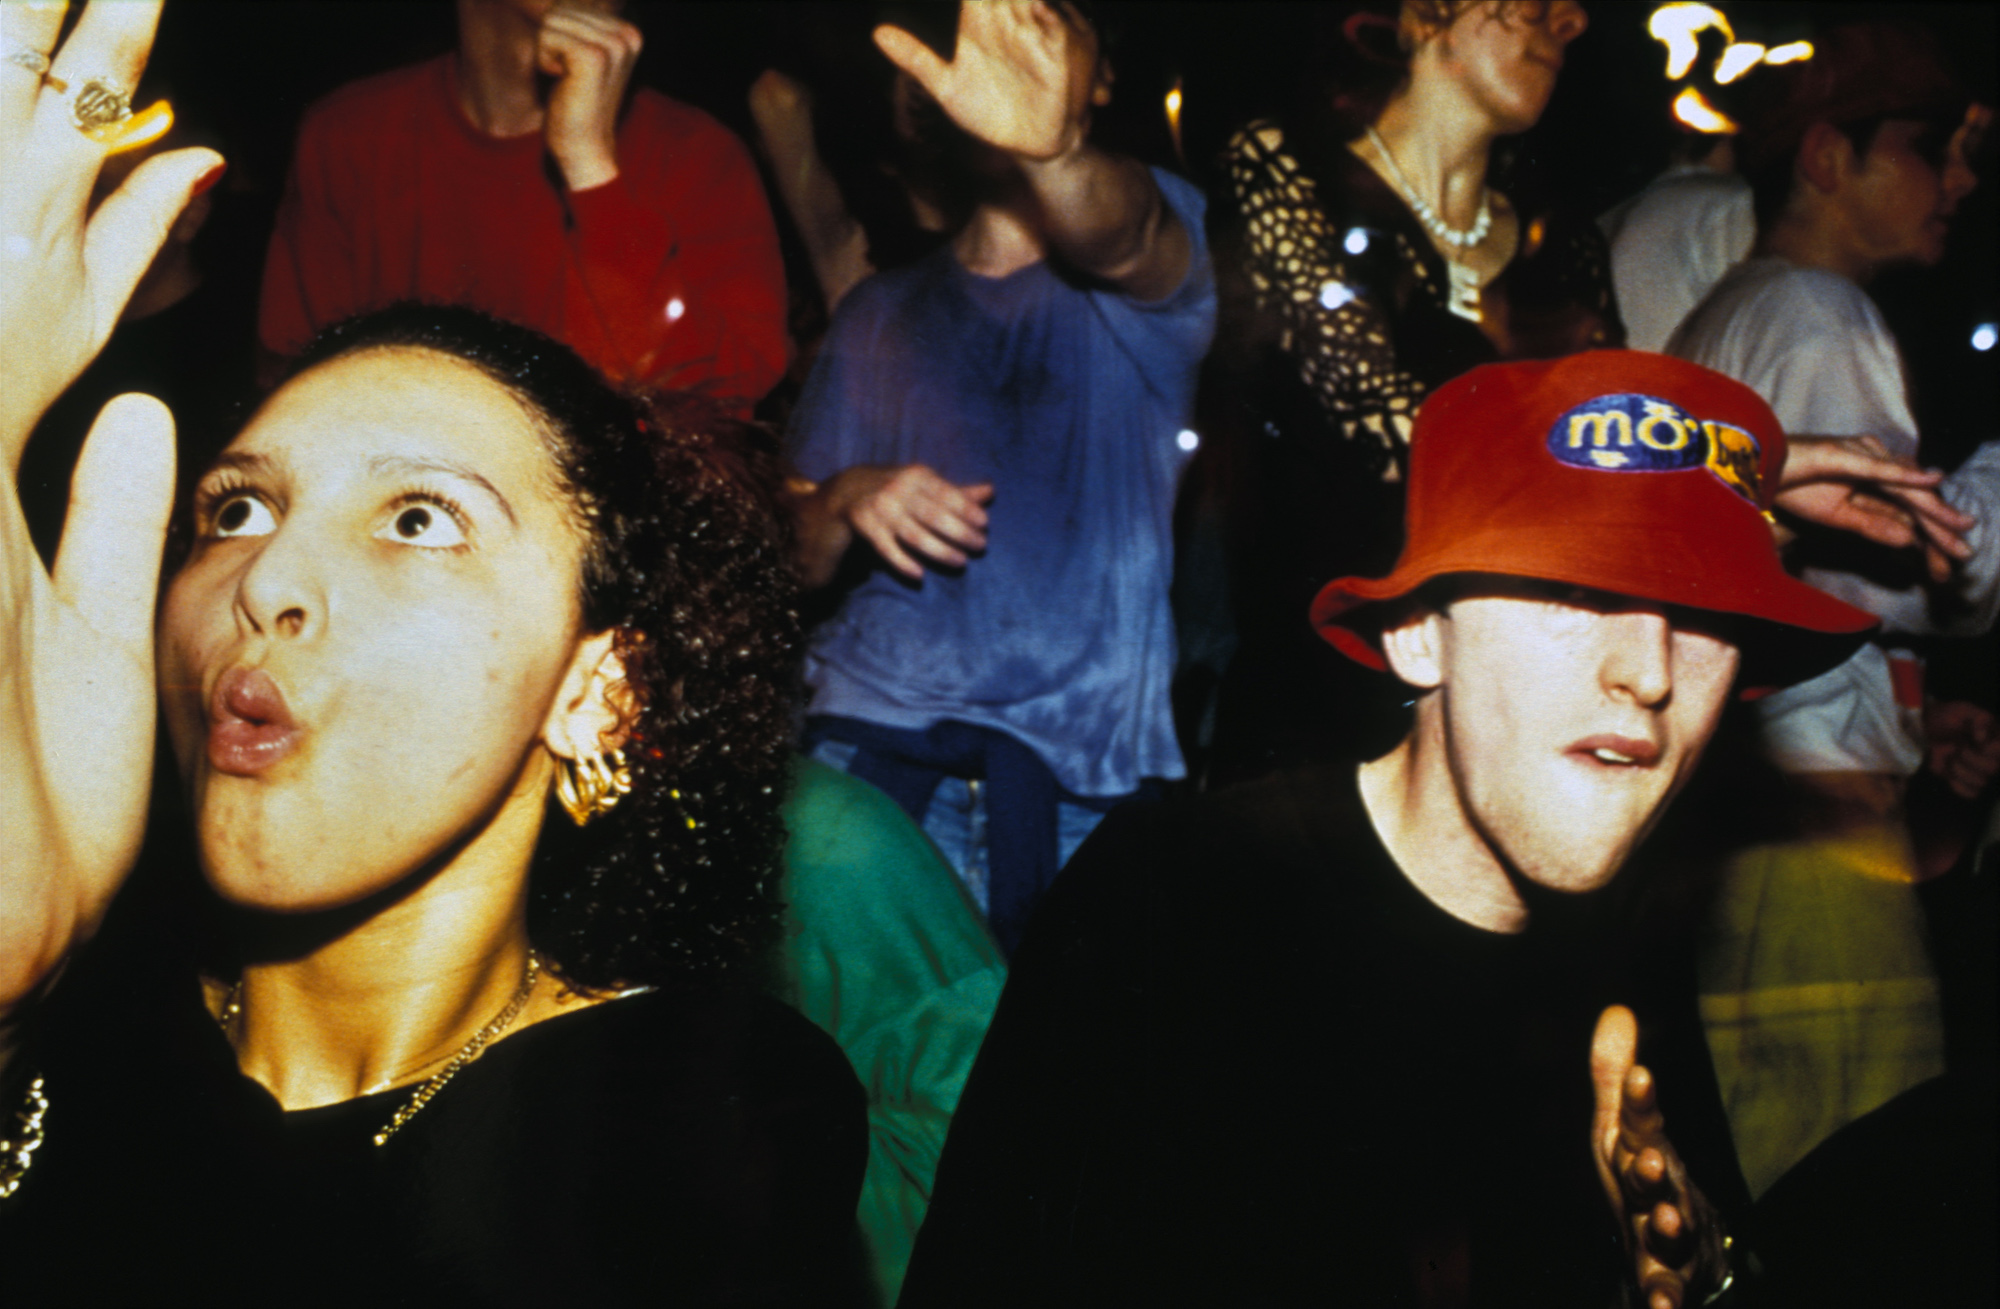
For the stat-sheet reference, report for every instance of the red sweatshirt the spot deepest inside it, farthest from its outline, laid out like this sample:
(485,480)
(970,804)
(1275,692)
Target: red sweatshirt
(669,275)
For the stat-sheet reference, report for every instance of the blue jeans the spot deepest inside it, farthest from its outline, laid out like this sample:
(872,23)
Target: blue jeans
(956,822)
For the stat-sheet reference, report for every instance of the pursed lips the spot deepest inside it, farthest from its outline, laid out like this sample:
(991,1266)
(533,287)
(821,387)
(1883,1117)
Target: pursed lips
(250,727)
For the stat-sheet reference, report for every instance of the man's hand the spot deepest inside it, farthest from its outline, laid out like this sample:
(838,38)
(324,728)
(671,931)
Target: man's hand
(590,54)
(1022,78)
(903,512)
(1962,745)
(1855,485)
(1674,1238)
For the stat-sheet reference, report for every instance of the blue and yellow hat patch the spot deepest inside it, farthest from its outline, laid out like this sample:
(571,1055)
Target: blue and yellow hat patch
(1629,433)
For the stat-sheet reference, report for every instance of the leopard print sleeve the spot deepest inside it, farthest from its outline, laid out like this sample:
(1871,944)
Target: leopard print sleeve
(1300,272)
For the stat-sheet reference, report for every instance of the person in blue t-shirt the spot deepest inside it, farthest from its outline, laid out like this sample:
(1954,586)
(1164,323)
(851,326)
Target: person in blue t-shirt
(996,432)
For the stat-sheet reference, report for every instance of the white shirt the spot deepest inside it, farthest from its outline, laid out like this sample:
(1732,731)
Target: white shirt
(1812,344)
(1671,243)
(1816,348)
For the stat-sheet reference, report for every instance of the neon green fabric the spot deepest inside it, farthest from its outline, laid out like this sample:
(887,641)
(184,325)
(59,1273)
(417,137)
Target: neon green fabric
(884,950)
(1817,993)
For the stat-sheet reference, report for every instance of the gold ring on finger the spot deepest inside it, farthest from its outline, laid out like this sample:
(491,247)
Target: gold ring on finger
(37,63)
(99,107)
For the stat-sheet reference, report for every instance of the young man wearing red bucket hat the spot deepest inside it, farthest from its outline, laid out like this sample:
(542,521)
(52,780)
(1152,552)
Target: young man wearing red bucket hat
(1346,1036)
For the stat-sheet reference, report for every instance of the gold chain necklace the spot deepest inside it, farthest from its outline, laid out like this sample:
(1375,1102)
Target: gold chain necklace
(232,1011)
(17,1152)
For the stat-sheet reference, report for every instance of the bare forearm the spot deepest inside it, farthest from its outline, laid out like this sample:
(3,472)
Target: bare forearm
(1103,213)
(835,243)
(822,531)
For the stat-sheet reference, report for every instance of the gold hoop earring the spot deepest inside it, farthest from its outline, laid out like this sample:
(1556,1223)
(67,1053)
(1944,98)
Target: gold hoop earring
(588,786)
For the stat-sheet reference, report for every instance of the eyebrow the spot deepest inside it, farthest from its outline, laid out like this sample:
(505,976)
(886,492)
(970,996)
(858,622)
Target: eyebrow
(402,465)
(243,460)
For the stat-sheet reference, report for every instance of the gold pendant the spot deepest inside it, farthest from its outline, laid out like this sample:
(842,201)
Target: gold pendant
(1465,288)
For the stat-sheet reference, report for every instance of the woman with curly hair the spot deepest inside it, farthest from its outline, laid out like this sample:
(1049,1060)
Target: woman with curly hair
(453,1039)
(1368,259)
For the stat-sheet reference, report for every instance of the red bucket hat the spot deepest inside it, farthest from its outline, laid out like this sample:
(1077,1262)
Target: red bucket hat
(1617,470)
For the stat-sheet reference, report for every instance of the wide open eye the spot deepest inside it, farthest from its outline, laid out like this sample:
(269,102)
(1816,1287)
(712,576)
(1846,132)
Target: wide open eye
(422,523)
(242,514)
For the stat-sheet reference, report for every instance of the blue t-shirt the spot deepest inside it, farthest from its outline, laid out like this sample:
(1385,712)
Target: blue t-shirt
(1071,401)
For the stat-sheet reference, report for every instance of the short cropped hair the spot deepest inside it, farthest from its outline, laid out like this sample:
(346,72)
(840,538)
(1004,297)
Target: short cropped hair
(1859,77)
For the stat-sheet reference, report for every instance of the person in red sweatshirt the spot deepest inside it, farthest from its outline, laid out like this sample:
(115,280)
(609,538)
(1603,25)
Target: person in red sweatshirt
(631,227)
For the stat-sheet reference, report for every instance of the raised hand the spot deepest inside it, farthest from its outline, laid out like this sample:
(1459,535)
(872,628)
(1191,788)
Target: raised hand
(76,664)
(1023,77)
(1854,485)
(591,55)
(1674,1238)
(781,106)
(63,281)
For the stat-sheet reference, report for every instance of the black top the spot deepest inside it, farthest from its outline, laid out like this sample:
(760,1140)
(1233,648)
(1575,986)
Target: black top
(683,1147)
(1240,1059)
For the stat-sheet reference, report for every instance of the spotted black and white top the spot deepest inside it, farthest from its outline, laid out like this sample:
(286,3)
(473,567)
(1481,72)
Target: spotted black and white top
(1355,294)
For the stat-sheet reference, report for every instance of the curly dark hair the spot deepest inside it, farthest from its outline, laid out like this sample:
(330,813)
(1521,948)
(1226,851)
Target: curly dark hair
(688,563)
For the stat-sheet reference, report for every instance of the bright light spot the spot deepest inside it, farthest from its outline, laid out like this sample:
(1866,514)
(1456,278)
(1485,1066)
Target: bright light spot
(1188,439)
(1737,60)
(1789,54)
(1355,242)
(1693,108)
(1335,294)
(1675,26)
(1174,103)
(1985,337)
(675,308)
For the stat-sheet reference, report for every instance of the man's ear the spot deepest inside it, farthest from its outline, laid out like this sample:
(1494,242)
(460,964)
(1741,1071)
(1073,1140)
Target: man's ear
(1826,157)
(1414,29)
(1414,644)
(593,709)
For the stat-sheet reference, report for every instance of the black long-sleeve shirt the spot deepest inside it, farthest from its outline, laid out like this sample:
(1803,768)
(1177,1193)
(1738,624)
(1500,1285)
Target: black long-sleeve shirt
(1241,1060)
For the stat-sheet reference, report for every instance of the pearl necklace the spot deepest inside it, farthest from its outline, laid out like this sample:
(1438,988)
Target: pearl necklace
(1465,285)
(232,1013)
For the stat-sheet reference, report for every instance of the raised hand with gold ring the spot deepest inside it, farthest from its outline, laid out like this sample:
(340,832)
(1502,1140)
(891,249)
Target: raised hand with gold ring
(76,679)
(65,273)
